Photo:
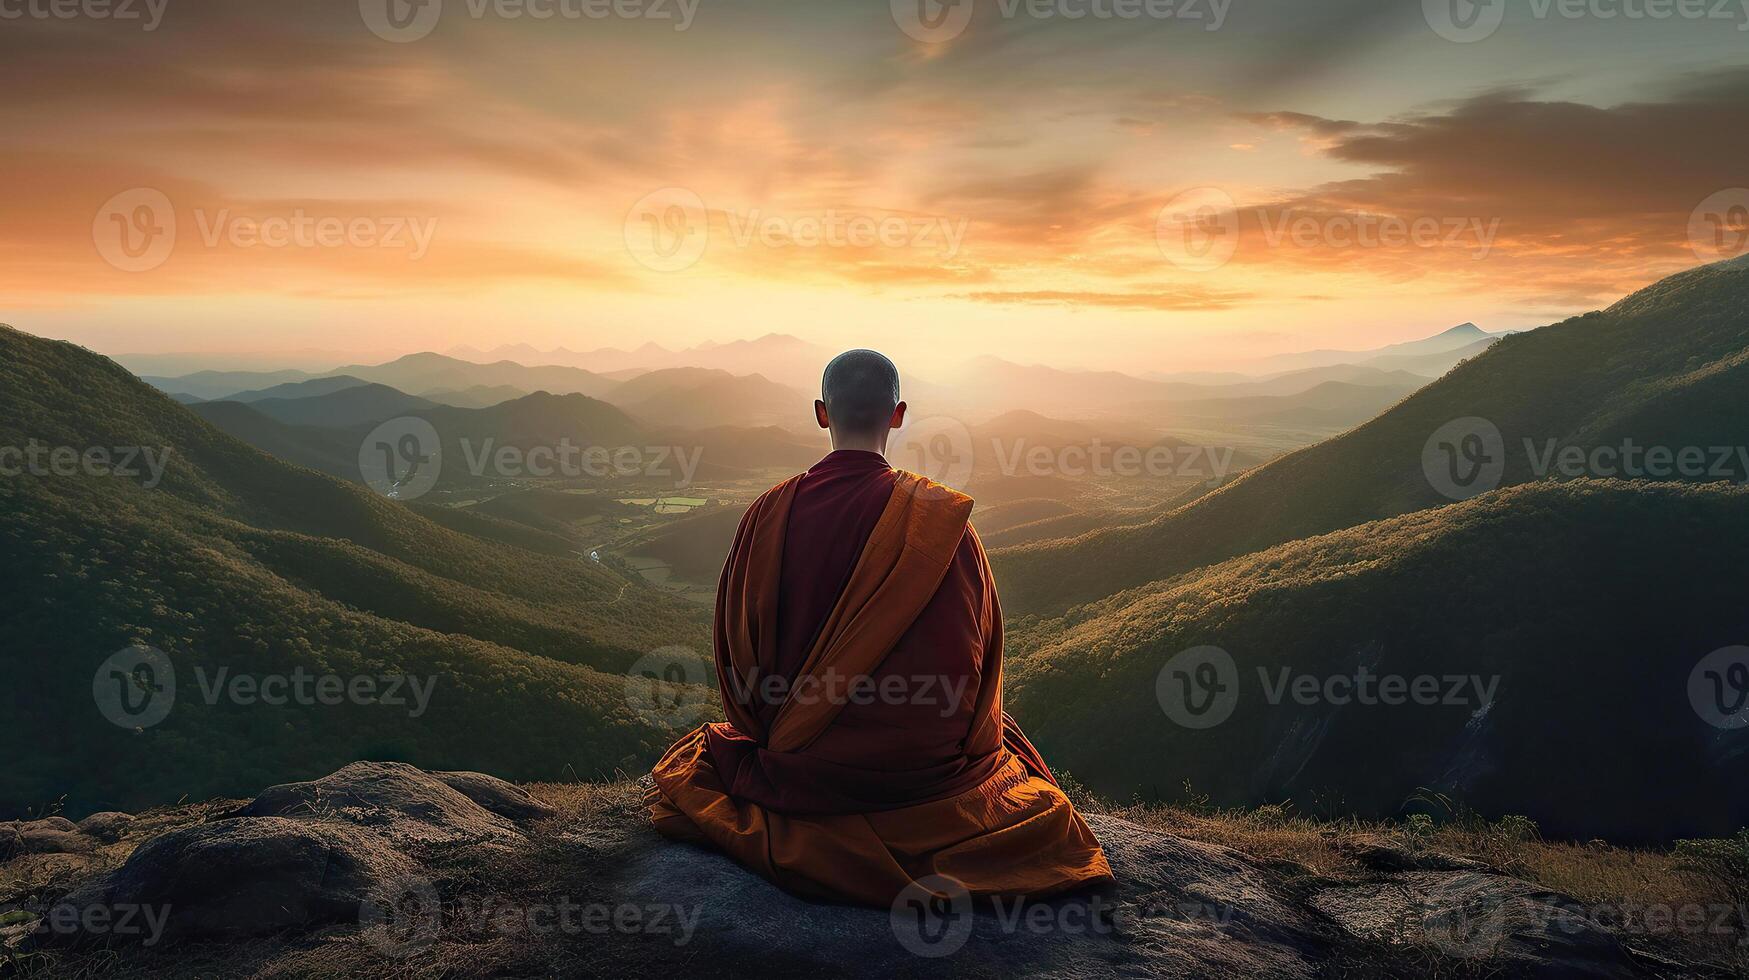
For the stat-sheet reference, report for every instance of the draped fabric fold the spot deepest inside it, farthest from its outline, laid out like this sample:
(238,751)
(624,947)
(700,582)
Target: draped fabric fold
(875,753)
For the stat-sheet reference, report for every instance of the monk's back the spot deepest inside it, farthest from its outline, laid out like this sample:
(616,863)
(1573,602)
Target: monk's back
(858,646)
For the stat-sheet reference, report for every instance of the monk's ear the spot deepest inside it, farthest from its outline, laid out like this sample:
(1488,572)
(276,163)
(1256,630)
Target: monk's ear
(898,420)
(820,414)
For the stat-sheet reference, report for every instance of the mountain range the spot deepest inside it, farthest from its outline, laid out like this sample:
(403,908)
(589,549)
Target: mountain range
(1573,607)
(239,563)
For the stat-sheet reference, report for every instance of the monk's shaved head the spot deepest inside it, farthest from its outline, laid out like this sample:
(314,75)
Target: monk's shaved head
(860,389)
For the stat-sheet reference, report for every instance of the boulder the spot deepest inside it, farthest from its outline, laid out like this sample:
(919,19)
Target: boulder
(505,799)
(50,835)
(405,804)
(106,827)
(234,878)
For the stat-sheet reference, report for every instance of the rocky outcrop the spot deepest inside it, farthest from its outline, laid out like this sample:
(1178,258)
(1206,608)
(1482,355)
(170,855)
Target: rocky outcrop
(1509,925)
(232,879)
(1182,909)
(50,835)
(402,803)
(412,872)
(297,856)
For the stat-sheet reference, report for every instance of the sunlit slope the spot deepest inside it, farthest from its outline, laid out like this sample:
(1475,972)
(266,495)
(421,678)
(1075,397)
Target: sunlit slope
(1666,366)
(237,561)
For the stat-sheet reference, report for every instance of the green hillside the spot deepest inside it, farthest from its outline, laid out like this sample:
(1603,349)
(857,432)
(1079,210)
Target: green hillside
(238,561)
(1666,366)
(1584,607)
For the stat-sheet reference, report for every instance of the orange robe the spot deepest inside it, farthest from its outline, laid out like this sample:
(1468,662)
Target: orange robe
(859,651)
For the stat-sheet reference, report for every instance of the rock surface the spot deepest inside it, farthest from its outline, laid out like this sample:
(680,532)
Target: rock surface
(50,835)
(384,868)
(1182,909)
(405,804)
(1506,923)
(297,856)
(233,878)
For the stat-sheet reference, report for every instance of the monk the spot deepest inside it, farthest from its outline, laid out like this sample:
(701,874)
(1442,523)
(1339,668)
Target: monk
(858,647)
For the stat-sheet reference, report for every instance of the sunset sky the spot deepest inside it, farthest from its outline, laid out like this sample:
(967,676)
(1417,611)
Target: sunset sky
(493,177)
